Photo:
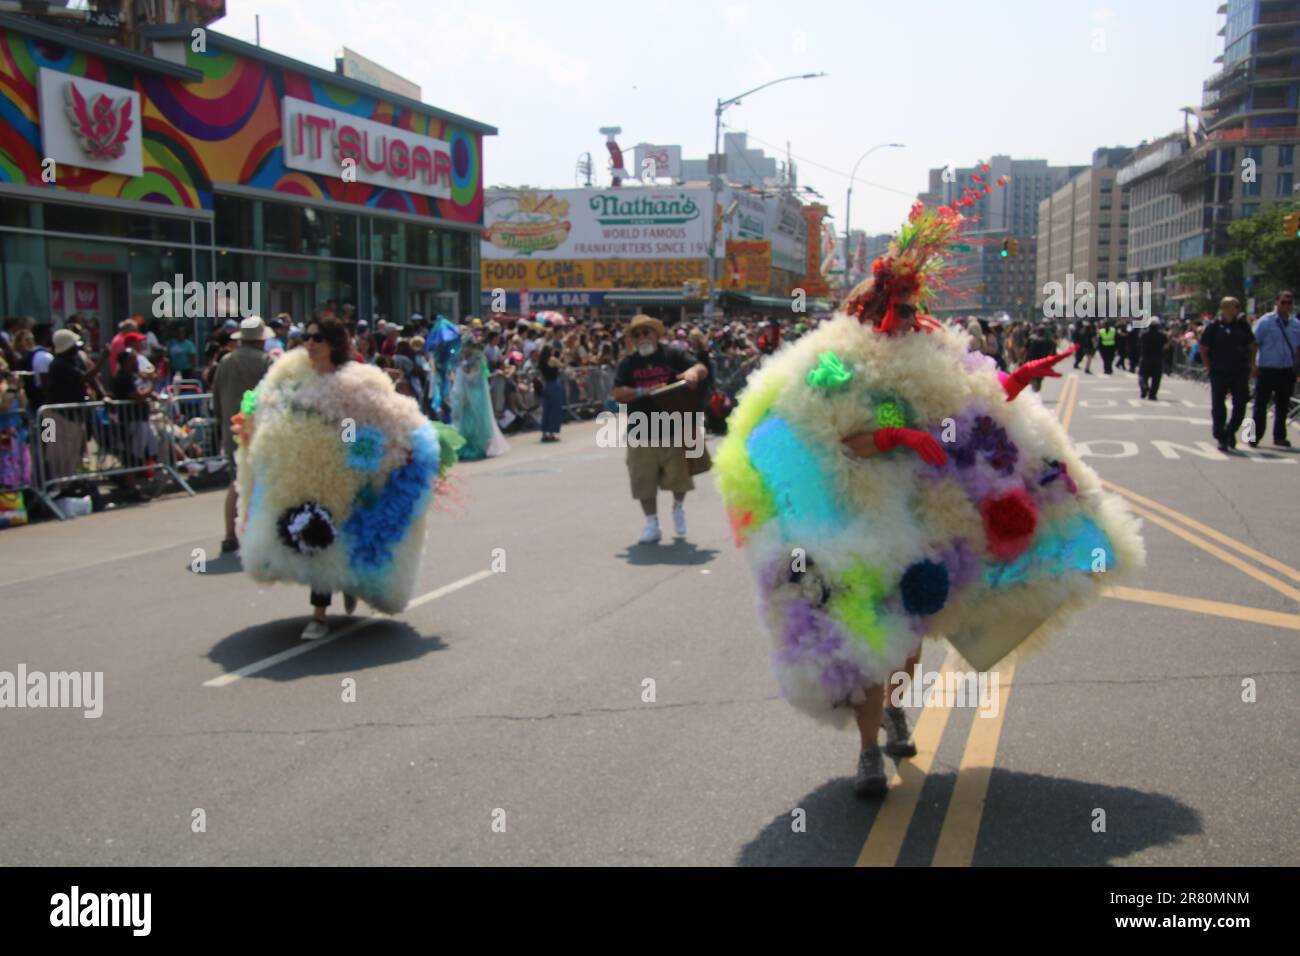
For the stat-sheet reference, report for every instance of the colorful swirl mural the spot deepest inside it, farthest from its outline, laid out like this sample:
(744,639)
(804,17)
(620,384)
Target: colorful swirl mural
(224,129)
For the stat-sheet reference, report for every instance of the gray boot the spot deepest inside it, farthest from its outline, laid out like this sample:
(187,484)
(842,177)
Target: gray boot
(871,780)
(898,738)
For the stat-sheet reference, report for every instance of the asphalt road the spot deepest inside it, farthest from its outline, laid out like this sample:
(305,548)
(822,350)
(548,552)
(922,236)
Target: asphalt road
(504,720)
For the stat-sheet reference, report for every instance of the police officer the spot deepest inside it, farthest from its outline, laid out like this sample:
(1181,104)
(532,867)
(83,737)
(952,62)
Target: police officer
(1106,344)
(1228,354)
(1151,366)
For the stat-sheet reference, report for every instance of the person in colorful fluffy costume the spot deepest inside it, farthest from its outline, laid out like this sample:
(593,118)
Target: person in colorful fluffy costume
(888,484)
(471,408)
(336,473)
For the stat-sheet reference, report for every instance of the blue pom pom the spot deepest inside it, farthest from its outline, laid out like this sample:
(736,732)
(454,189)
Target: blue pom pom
(924,588)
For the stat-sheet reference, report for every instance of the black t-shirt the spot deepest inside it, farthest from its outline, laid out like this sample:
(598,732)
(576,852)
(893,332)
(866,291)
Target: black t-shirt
(1228,346)
(63,383)
(122,386)
(1153,346)
(650,371)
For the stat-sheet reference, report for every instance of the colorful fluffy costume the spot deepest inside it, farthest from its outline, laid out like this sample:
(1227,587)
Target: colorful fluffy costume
(975,521)
(471,408)
(336,481)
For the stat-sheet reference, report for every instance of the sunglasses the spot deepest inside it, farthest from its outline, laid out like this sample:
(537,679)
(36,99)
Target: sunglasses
(314,337)
(640,333)
(904,311)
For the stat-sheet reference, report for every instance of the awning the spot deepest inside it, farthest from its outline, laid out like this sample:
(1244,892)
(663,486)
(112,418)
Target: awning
(650,297)
(767,303)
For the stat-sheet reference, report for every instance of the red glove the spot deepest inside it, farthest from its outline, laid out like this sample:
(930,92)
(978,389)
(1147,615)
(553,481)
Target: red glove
(887,439)
(1039,368)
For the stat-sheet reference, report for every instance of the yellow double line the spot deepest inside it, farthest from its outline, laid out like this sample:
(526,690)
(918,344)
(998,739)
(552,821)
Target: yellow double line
(961,822)
(1218,545)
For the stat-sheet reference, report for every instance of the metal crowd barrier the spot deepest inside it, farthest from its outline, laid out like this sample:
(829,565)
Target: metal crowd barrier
(93,441)
(17,457)
(586,389)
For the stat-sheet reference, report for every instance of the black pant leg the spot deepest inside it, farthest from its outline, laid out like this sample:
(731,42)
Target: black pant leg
(1240,387)
(1218,397)
(1283,389)
(320,598)
(1263,391)
(1156,374)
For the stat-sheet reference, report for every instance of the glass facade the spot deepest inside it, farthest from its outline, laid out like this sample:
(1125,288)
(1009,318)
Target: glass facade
(302,257)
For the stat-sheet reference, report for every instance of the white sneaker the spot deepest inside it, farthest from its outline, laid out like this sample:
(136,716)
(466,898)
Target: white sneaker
(651,534)
(679,521)
(315,630)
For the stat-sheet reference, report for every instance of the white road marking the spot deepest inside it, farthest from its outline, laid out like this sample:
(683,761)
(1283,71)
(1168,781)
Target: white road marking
(225,680)
(1155,418)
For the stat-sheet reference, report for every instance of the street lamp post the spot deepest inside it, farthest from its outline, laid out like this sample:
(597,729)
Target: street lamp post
(848,212)
(716,179)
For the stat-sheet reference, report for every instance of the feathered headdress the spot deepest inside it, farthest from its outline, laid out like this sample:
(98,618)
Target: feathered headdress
(915,265)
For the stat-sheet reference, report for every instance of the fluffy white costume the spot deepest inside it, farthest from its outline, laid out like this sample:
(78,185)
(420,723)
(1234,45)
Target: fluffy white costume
(336,481)
(858,558)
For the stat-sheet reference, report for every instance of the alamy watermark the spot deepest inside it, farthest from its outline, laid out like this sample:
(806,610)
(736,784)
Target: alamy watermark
(946,689)
(652,430)
(1101,300)
(79,690)
(199,300)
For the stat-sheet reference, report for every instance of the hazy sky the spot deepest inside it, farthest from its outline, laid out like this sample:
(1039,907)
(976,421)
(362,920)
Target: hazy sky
(950,79)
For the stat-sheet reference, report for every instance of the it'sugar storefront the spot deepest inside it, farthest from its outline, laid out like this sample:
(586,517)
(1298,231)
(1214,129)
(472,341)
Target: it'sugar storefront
(119,171)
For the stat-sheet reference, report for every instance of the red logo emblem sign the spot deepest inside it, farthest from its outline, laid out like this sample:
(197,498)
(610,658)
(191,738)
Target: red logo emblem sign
(101,125)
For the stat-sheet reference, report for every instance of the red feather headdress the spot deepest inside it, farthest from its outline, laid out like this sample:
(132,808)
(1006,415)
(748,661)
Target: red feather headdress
(915,266)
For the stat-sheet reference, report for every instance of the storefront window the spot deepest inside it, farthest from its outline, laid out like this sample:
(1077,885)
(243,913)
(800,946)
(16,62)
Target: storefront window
(26,279)
(150,265)
(234,221)
(455,249)
(421,245)
(93,220)
(283,228)
(389,240)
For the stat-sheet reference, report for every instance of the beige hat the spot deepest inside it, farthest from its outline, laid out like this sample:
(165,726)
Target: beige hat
(65,339)
(252,329)
(643,321)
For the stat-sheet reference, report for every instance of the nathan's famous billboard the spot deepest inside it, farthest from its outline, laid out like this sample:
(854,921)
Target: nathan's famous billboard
(632,222)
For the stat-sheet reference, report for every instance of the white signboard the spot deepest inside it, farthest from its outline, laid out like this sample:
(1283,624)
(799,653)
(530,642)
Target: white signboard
(627,223)
(90,124)
(320,140)
(656,162)
(354,66)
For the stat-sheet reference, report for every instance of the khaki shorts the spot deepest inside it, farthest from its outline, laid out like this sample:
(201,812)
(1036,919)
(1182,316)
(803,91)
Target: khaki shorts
(653,468)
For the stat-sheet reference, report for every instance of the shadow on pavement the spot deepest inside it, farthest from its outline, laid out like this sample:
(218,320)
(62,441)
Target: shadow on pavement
(1029,820)
(387,641)
(676,552)
(836,825)
(227,563)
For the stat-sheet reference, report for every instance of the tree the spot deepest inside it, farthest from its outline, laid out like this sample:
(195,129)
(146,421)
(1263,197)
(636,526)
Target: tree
(1275,255)
(1210,278)
(1260,240)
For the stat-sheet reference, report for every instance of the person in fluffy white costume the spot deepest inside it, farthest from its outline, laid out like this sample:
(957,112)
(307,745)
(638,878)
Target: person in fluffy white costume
(888,484)
(336,473)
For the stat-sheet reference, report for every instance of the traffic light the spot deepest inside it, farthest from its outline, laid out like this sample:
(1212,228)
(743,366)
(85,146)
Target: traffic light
(1014,247)
(1010,247)
(1292,225)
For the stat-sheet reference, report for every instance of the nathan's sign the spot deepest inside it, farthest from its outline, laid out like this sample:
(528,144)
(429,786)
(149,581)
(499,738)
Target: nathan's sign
(567,224)
(592,273)
(626,208)
(325,141)
(90,124)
